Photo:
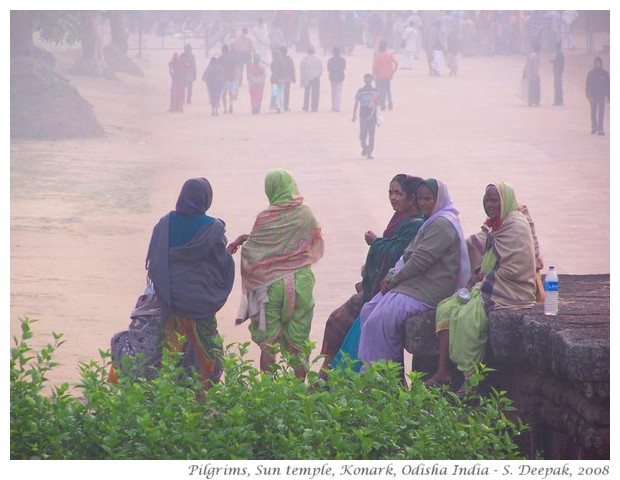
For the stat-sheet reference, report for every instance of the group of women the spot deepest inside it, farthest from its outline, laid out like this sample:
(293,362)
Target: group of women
(418,264)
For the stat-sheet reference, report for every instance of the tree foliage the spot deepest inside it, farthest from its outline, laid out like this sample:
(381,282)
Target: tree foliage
(57,26)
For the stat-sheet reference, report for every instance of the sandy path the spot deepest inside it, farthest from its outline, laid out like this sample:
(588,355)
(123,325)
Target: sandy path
(82,210)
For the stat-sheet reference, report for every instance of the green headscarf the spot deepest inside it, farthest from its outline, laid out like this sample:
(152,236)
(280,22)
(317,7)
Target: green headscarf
(507,198)
(509,204)
(432,184)
(280,187)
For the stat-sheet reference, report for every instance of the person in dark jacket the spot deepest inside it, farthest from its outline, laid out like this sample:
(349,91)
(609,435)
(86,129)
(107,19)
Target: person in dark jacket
(558,71)
(190,60)
(597,91)
(214,77)
(336,66)
(277,80)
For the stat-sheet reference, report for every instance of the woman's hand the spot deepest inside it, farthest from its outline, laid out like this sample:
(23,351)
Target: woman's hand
(386,286)
(232,247)
(235,244)
(370,237)
(388,283)
(475,279)
(242,238)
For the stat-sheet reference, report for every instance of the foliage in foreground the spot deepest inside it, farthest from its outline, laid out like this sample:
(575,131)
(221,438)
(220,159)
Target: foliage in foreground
(248,416)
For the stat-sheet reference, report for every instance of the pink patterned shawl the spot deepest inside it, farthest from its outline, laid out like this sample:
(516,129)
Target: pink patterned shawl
(285,237)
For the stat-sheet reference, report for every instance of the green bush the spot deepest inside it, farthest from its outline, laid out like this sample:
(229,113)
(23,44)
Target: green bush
(250,415)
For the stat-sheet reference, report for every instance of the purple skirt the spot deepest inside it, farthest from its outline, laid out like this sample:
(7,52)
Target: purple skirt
(383,322)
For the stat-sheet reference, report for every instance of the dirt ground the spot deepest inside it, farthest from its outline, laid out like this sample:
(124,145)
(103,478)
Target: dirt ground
(82,211)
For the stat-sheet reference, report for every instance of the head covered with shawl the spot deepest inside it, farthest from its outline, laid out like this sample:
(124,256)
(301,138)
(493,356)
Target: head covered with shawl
(280,188)
(195,197)
(189,216)
(285,236)
(510,245)
(508,204)
(445,208)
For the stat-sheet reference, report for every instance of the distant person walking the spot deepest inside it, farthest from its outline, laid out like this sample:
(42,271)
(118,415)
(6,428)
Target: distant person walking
(531,74)
(597,91)
(410,45)
(228,61)
(289,77)
(437,45)
(310,72)
(384,67)
(366,99)
(568,18)
(245,46)
(260,32)
(256,81)
(558,71)
(190,64)
(213,76)
(178,78)
(277,80)
(336,66)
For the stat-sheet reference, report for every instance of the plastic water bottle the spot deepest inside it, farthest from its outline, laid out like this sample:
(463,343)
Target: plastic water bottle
(552,290)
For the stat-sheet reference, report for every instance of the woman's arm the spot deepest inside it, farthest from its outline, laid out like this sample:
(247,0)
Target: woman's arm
(436,240)
(235,244)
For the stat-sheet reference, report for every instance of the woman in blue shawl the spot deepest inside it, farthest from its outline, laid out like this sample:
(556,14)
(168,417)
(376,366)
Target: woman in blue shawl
(193,274)
(214,77)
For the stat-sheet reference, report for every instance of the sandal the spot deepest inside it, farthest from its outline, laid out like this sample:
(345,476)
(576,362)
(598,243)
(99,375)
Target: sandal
(465,391)
(437,384)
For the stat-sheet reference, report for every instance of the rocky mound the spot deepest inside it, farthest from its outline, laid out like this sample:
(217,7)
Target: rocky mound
(45,105)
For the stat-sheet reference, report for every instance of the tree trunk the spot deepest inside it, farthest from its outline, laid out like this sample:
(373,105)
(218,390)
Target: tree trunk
(115,53)
(119,31)
(92,62)
(22,45)
(21,34)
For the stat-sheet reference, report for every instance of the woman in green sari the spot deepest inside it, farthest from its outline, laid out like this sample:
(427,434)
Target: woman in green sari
(276,274)
(505,281)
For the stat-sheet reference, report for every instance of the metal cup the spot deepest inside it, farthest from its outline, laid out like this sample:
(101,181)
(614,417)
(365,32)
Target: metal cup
(464,295)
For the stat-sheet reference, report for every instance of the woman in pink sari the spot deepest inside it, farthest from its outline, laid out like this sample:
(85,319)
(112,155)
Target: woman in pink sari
(256,80)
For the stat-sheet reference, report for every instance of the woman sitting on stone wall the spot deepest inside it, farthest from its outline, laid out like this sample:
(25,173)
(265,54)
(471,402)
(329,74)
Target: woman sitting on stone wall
(505,280)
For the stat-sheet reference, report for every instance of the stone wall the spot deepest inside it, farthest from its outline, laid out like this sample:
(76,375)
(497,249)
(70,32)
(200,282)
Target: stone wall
(554,368)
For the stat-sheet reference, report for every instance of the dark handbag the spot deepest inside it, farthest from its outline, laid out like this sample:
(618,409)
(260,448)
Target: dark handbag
(141,342)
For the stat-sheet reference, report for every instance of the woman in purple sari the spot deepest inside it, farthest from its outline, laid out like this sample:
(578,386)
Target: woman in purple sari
(434,266)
